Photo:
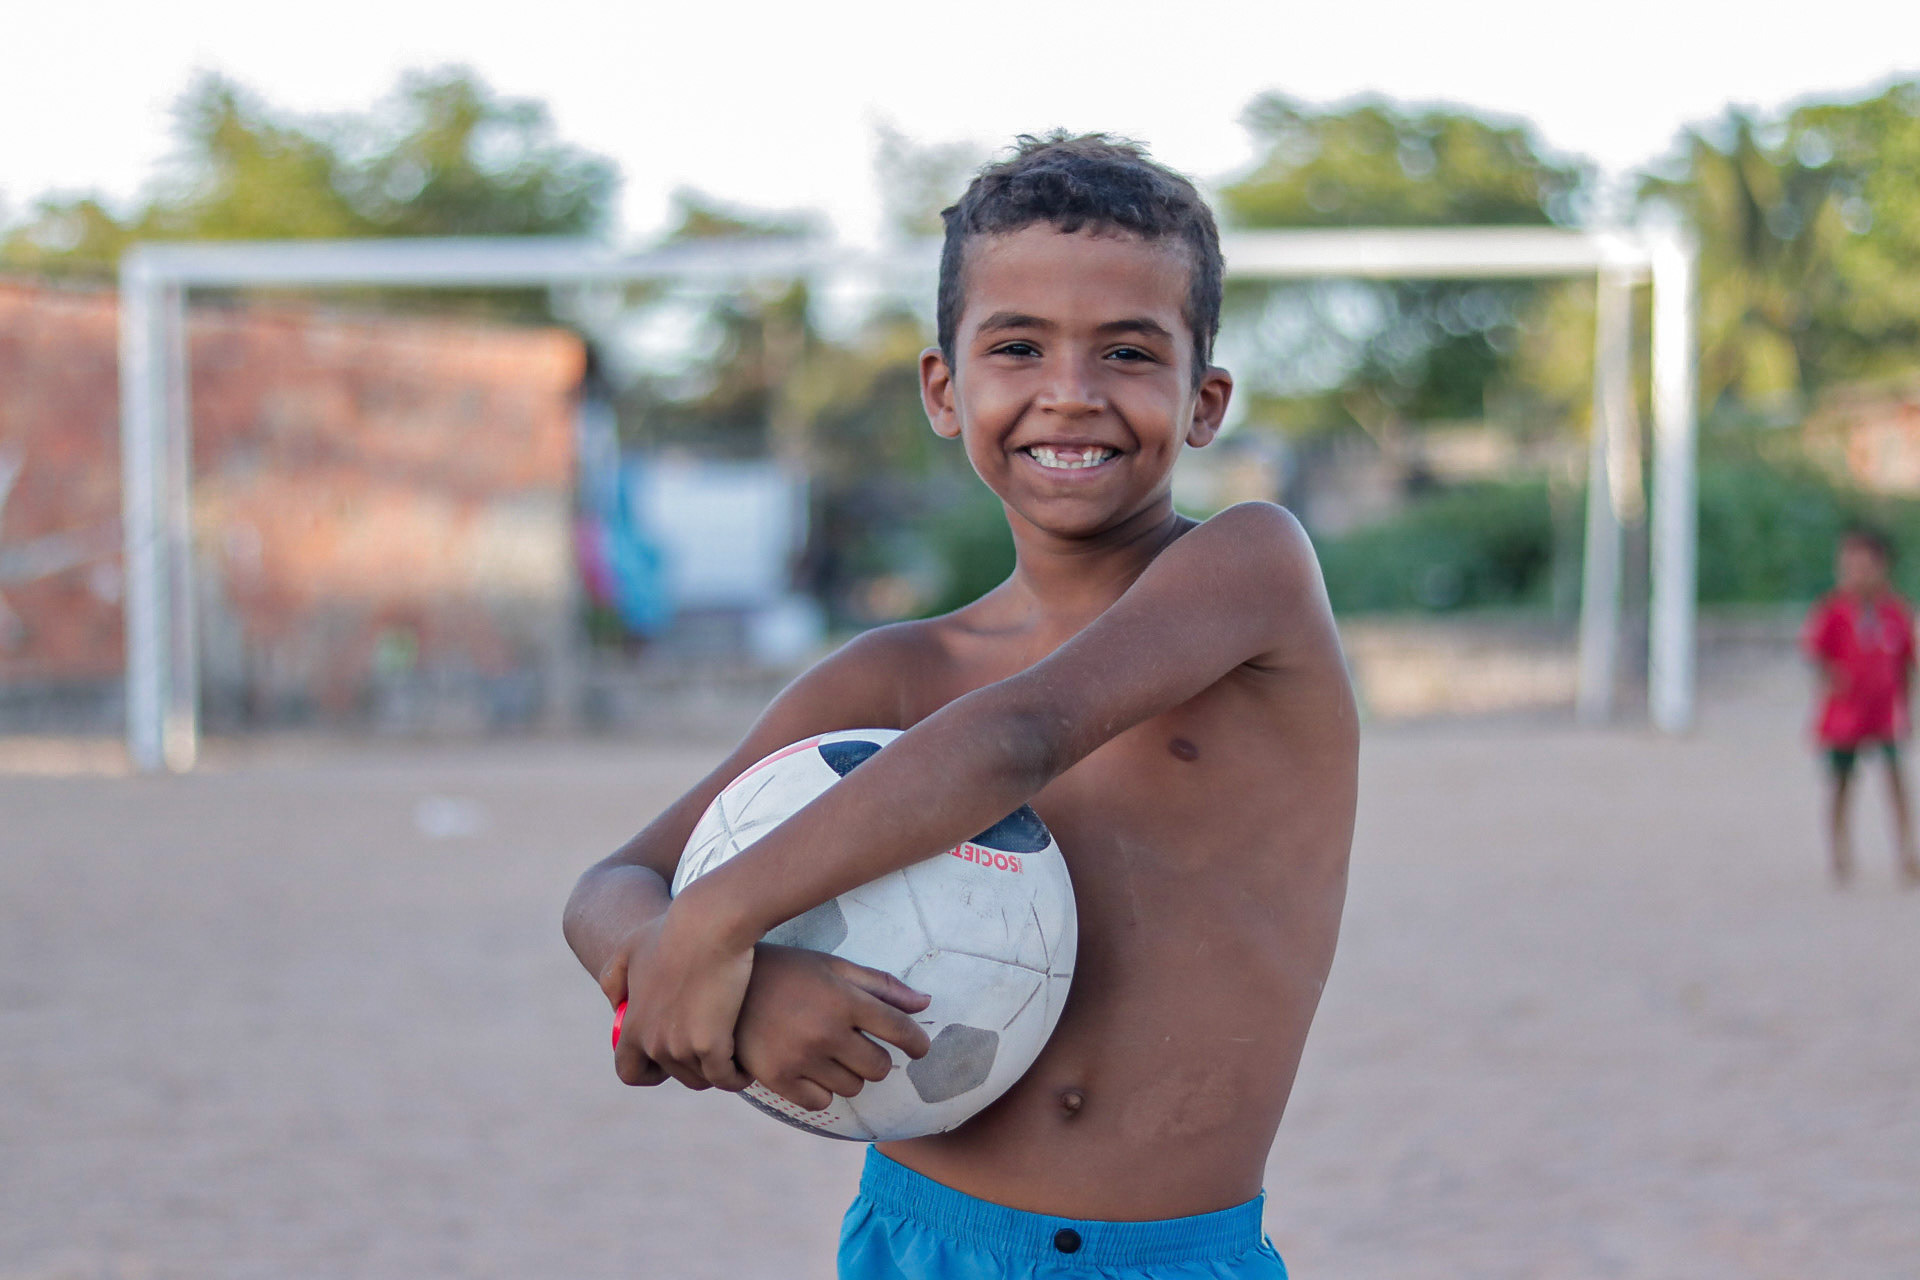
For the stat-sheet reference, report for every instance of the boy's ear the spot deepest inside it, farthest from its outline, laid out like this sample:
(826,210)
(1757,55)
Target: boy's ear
(937,394)
(1210,406)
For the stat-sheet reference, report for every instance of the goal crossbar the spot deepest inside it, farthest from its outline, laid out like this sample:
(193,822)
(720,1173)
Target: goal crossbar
(162,668)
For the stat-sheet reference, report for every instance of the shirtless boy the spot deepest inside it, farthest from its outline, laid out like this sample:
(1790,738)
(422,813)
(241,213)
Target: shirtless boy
(1169,695)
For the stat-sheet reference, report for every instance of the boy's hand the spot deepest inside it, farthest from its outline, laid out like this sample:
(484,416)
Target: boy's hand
(800,1030)
(685,984)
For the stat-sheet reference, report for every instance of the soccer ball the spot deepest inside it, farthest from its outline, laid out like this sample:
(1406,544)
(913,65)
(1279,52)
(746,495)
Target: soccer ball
(987,929)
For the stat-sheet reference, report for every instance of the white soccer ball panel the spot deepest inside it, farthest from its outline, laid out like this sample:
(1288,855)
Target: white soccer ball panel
(758,803)
(707,847)
(883,926)
(1054,999)
(980,992)
(1018,909)
(837,1121)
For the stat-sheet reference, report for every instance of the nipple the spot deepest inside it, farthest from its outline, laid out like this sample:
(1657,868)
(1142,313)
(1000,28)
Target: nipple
(1071,1100)
(1183,750)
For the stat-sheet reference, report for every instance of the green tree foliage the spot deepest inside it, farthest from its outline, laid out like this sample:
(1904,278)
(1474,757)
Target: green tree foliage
(454,160)
(1809,227)
(246,173)
(442,156)
(1871,321)
(1386,356)
(1378,164)
(1766,225)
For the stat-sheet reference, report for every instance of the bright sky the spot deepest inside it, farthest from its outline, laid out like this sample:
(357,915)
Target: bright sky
(776,104)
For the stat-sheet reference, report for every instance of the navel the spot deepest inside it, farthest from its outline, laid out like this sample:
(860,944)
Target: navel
(1071,1100)
(1183,749)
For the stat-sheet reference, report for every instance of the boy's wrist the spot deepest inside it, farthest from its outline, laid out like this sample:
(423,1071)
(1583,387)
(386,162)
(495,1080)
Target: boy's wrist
(716,915)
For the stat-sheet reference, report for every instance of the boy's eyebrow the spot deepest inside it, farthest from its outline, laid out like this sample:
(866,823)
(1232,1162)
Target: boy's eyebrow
(1013,320)
(1136,324)
(1020,320)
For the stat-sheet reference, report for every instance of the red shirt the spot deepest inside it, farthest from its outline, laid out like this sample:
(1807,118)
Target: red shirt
(1867,647)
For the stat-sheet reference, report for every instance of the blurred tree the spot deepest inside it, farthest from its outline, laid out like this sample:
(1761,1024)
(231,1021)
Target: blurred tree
(1869,151)
(442,156)
(1384,356)
(1809,226)
(732,398)
(244,173)
(457,161)
(1378,164)
(1766,224)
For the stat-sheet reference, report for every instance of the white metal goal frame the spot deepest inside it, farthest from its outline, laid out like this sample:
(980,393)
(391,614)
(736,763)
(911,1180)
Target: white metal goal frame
(162,660)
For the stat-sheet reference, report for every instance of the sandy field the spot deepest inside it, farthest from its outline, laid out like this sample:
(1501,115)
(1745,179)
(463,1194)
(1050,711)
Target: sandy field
(307,1014)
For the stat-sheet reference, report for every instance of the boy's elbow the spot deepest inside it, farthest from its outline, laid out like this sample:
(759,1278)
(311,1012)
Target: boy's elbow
(1033,741)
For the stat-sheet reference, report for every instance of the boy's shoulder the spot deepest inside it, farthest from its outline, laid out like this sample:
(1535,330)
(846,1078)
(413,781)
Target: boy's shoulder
(1250,557)
(1266,530)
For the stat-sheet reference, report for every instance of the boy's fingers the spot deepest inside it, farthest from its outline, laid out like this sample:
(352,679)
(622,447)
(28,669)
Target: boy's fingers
(804,1093)
(865,1058)
(683,1067)
(836,1079)
(686,1075)
(632,1065)
(884,986)
(722,1072)
(635,1068)
(893,1026)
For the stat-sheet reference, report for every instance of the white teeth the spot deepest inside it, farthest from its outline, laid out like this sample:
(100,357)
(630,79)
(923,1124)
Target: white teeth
(1046,457)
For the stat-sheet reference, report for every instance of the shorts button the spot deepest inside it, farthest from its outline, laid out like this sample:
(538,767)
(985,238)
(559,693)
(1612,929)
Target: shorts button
(1067,1240)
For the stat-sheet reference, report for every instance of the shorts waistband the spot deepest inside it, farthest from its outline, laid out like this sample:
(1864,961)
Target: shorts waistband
(1226,1233)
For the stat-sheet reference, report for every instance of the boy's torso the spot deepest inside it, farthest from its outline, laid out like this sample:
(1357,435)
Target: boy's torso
(1869,643)
(1208,848)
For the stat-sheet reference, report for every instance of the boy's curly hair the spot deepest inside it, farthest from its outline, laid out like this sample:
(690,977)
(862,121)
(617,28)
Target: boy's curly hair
(1086,181)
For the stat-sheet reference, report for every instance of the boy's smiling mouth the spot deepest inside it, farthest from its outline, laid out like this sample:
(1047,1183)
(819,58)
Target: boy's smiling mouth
(1065,457)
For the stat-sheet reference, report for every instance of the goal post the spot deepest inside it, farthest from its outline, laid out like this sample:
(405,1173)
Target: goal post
(162,664)
(1661,254)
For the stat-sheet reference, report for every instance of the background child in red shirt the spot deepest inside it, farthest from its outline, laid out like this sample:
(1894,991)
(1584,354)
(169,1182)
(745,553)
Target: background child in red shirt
(1861,636)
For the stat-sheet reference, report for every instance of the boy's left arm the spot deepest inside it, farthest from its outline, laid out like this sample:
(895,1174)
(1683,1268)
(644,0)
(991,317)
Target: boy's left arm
(1242,588)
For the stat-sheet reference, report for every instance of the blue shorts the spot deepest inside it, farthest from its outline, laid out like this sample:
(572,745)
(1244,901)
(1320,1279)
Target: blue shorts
(904,1226)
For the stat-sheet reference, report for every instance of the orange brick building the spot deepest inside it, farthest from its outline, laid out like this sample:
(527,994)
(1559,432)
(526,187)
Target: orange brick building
(1870,433)
(381,518)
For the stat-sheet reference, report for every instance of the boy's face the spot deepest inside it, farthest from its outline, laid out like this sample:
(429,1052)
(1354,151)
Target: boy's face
(1861,569)
(1073,390)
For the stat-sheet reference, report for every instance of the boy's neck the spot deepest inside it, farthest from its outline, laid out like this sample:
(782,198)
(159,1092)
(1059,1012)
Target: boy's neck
(1073,579)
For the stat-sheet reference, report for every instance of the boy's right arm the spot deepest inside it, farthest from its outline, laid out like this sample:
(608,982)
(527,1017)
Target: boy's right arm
(618,898)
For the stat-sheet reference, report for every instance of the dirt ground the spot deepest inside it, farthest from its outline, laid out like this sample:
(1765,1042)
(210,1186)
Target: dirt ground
(307,1014)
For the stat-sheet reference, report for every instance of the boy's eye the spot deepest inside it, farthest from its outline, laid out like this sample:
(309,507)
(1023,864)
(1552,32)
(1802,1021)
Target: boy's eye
(1130,353)
(1016,349)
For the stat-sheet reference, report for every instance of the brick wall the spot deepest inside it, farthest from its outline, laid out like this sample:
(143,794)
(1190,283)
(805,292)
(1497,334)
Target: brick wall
(380,505)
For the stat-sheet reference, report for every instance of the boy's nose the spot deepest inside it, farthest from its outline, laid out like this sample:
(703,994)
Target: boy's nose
(1071,392)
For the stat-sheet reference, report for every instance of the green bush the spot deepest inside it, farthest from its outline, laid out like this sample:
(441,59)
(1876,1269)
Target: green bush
(1485,544)
(1768,532)
(973,546)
